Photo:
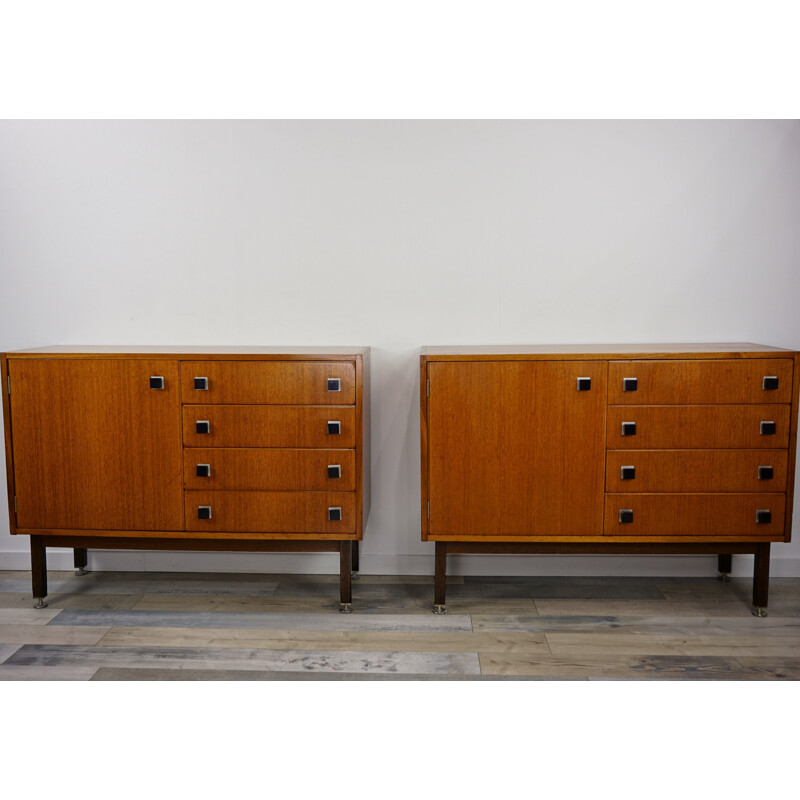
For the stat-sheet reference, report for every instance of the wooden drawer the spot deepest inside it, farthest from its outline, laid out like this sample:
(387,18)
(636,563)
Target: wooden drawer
(694,514)
(269,382)
(269,470)
(700,381)
(269,426)
(272,512)
(697,427)
(696,470)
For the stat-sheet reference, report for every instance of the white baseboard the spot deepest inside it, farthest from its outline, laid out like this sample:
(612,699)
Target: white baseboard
(394,564)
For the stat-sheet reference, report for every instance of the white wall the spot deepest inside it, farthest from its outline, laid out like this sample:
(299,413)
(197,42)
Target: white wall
(396,235)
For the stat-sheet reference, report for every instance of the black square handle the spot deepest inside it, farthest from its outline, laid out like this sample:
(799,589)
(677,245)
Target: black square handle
(334,385)
(627,473)
(334,471)
(202,426)
(204,470)
(767,428)
(770,383)
(335,514)
(156,382)
(584,384)
(765,473)
(201,384)
(334,427)
(203,512)
(763,516)
(630,384)
(626,516)
(629,429)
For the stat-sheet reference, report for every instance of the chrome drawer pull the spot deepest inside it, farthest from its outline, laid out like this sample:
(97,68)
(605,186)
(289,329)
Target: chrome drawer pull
(584,384)
(765,473)
(334,385)
(203,426)
(335,514)
(627,473)
(334,471)
(763,516)
(767,428)
(769,383)
(201,384)
(630,384)
(156,382)
(204,470)
(629,429)
(626,515)
(334,427)
(203,512)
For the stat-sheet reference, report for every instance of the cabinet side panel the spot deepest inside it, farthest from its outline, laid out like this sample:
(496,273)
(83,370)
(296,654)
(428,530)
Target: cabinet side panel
(792,447)
(95,447)
(12,517)
(423,439)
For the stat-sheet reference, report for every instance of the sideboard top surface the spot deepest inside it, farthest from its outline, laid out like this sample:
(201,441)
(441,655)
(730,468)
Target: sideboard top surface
(589,351)
(191,352)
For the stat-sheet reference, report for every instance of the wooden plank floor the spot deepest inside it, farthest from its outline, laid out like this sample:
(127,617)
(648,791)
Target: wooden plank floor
(180,626)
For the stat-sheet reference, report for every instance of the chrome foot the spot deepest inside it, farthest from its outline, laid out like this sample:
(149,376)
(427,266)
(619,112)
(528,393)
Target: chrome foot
(81,572)
(40,602)
(759,611)
(437,609)
(354,576)
(724,577)
(345,608)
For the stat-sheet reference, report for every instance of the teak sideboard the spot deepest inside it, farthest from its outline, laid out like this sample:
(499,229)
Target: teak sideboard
(685,448)
(245,449)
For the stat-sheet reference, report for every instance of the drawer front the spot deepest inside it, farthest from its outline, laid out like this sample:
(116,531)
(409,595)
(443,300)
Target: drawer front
(696,470)
(272,512)
(698,381)
(254,469)
(269,426)
(270,382)
(694,514)
(697,427)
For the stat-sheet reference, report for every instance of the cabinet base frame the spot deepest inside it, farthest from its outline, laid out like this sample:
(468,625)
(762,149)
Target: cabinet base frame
(724,551)
(347,549)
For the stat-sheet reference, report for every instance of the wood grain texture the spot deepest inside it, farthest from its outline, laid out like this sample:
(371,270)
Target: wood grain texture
(269,426)
(269,382)
(700,381)
(363,441)
(272,512)
(696,470)
(204,352)
(12,517)
(719,515)
(94,446)
(263,469)
(515,449)
(698,427)
(792,447)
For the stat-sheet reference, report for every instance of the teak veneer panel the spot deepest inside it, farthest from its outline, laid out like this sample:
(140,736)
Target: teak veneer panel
(272,512)
(257,469)
(694,514)
(694,382)
(79,427)
(696,470)
(515,449)
(269,382)
(269,426)
(698,427)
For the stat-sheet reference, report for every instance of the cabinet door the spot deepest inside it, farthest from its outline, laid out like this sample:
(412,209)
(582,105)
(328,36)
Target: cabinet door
(515,449)
(95,447)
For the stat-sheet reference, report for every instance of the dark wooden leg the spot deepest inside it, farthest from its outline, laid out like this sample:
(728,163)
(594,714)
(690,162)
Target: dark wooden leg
(761,580)
(354,565)
(345,565)
(39,571)
(440,580)
(81,560)
(724,561)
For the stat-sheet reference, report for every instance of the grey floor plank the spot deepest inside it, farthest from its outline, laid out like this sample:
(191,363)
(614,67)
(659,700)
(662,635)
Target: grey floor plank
(59,600)
(15,673)
(7,650)
(27,616)
(51,634)
(333,621)
(273,660)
